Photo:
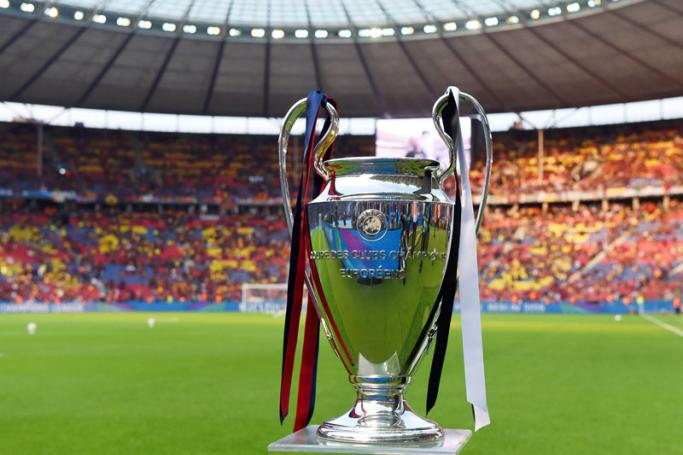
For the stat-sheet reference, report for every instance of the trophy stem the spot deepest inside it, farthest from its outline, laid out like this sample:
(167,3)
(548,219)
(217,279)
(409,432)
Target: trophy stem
(379,405)
(380,415)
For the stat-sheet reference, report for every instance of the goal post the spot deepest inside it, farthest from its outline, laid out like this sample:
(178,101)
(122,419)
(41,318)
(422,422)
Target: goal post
(265,298)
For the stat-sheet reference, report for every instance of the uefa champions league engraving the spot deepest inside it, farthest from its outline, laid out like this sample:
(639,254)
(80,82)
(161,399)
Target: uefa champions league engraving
(380,236)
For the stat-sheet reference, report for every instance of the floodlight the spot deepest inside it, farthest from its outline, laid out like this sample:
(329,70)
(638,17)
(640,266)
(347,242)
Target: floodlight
(573,7)
(473,24)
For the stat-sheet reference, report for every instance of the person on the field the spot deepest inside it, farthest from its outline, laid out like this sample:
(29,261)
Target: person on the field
(677,305)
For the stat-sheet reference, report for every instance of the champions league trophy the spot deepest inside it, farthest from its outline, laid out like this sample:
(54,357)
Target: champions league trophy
(381,233)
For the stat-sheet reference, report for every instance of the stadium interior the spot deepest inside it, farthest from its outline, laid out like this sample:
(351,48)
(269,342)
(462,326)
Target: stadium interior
(187,218)
(145,255)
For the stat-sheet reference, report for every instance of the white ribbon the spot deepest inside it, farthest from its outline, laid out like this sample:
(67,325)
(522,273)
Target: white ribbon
(468,285)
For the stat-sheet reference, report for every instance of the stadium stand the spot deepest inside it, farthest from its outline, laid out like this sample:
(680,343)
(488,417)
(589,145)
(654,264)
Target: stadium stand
(591,255)
(125,166)
(590,158)
(51,252)
(121,216)
(55,253)
(227,169)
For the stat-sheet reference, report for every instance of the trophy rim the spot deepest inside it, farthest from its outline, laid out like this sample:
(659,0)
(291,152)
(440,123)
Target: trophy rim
(381,159)
(405,166)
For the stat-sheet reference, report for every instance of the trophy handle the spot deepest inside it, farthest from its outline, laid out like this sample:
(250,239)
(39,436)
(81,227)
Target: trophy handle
(319,151)
(439,105)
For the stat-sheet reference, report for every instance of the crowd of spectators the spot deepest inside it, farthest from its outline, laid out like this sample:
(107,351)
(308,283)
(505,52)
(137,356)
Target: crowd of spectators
(124,166)
(54,254)
(225,169)
(588,255)
(587,159)
(646,261)
(57,253)
(118,244)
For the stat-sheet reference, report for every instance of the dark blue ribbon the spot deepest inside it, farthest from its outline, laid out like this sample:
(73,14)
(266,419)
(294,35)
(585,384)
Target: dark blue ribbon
(451,125)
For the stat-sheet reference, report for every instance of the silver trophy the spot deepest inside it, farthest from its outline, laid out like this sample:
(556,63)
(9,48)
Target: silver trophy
(380,236)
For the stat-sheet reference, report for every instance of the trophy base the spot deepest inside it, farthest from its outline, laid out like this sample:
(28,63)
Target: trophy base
(362,426)
(308,441)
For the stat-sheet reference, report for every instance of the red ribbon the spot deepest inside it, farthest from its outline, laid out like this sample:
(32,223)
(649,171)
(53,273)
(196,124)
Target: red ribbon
(300,248)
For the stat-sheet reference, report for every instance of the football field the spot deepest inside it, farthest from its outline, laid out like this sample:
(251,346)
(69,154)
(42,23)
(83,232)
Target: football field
(208,384)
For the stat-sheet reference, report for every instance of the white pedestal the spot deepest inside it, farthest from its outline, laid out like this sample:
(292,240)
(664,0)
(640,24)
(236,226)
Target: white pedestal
(306,440)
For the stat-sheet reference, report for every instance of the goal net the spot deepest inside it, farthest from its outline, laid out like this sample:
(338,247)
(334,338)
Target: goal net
(266,298)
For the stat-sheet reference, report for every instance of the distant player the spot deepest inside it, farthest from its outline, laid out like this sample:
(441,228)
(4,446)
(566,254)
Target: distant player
(677,305)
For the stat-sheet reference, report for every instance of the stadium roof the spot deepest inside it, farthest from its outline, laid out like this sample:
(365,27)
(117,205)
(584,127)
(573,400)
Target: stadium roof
(379,58)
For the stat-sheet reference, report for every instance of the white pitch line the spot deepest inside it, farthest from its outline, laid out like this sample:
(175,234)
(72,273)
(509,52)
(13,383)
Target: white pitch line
(662,324)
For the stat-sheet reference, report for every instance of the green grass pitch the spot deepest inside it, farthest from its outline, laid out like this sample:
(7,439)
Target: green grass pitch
(208,384)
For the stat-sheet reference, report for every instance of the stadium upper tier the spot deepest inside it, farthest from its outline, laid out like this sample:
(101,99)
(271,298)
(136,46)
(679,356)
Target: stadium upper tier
(376,57)
(115,166)
(605,160)
(56,253)
(132,167)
